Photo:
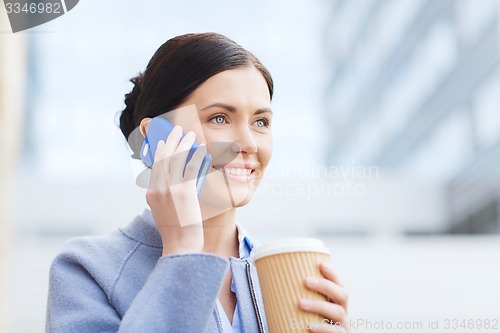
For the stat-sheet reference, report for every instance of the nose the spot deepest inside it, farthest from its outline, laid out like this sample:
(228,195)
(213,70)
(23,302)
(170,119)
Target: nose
(244,140)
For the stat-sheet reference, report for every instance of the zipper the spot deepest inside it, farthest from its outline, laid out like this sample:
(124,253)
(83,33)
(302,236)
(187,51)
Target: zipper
(218,317)
(252,293)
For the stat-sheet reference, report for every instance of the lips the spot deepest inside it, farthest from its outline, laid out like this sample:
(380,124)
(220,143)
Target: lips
(238,171)
(242,170)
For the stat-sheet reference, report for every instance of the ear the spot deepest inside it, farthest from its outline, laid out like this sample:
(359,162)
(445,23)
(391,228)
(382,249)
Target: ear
(144,125)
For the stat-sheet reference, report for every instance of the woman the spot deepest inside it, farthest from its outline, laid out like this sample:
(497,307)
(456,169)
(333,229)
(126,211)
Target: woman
(182,265)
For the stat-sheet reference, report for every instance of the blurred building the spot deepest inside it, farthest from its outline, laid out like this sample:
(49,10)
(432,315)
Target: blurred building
(414,88)
(12,83)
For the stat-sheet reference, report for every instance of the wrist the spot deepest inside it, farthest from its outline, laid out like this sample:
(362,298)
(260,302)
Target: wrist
(179,249)
(167,252)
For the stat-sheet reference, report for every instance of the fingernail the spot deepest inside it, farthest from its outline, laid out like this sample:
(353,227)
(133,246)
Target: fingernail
(305,303)
(311,281)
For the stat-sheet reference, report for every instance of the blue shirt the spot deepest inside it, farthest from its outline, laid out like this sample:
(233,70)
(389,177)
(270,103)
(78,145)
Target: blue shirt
(245,248)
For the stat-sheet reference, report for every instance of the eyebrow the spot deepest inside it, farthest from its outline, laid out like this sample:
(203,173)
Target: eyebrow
(231,108)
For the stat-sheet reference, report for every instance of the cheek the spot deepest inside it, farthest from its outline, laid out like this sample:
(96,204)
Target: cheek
(265,151)
(221,147)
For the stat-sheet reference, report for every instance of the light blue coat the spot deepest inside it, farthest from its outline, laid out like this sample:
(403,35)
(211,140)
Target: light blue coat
(119,282)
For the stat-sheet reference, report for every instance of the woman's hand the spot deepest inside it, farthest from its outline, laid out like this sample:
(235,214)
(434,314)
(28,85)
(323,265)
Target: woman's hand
(334,308)
(173,197)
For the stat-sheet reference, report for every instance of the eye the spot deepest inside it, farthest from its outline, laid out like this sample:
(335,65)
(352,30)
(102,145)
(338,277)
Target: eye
(262,122)
(219,118)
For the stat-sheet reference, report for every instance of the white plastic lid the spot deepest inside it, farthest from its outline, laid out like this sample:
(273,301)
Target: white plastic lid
(291,245)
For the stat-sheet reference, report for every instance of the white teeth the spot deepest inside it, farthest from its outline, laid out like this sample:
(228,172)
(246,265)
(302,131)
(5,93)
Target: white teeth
(238,171)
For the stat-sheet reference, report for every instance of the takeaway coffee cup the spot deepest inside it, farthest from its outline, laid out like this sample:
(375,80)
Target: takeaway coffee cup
(282,267)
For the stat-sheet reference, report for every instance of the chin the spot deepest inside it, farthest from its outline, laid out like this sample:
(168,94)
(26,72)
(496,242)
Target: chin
(221,196)
(220,204)
(244,201)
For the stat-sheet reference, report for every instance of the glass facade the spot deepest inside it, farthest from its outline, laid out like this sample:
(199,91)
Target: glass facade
(414,90)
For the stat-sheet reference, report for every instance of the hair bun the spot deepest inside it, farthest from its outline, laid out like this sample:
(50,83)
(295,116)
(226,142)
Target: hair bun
(127,116)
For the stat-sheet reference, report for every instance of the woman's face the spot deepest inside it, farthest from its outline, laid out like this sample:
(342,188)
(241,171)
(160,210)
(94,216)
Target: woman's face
(234,120)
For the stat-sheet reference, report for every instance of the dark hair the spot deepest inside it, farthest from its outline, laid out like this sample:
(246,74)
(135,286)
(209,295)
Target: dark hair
(177,68)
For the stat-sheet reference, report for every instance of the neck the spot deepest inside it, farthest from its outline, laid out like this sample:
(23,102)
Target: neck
(221,235)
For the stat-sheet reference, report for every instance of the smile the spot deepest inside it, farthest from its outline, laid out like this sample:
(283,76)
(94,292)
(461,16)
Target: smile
(237,174)
(237,171)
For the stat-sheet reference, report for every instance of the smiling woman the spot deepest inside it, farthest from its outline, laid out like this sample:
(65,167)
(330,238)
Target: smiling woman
(242,120)
(167,270)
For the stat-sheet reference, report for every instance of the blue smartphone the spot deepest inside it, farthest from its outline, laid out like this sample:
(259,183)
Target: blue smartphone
(159,129)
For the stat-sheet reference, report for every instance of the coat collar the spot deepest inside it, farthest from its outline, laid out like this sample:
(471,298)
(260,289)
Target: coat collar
(143,229)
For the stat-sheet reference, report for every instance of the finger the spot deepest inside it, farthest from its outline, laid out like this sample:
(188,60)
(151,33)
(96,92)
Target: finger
(179,157)
(171,143)
(159,178)
(332,311)
(186,142)
(194,165)
(327,270)
(331,290)
(159,151)
(159,171)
